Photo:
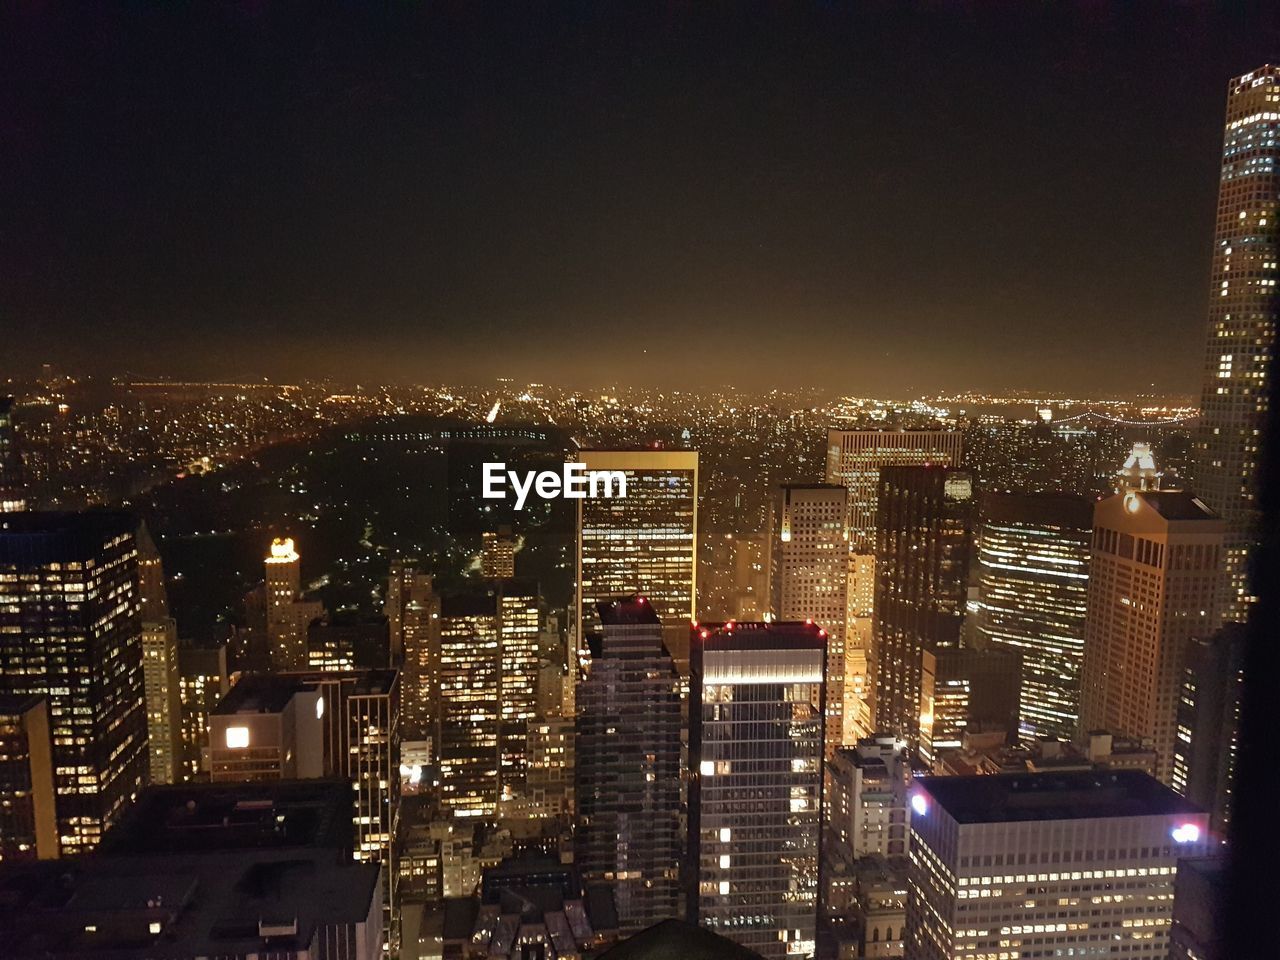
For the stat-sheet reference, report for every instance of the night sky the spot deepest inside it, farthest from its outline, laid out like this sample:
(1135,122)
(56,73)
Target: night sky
(879,198)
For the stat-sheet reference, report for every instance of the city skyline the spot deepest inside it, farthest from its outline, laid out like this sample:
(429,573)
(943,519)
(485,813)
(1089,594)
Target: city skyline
(852,658)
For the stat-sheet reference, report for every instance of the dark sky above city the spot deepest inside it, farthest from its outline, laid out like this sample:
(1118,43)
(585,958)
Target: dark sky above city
(883,198)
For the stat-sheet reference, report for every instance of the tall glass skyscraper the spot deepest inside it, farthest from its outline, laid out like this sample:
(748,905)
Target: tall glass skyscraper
(12,497)
(1033,581)
(644,543)
(755,792)
(70,631)
(1242,320)
(922,566)
(628,766)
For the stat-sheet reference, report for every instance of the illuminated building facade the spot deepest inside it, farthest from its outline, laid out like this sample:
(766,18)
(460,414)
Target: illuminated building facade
(1033,577)
(550,774)
(854,460)
(69,630)
(810,578)
(866,805)
(413,616)
(160,680)
(498,554)
(287,614)
(627,766)
(28,818)
(1208,718)
(922,563)
(1243,307)
(268,727)
(12,495)
(643,543)
(755,793)
(202,682)
(467,712)
(159,665)
(1049,865)
(963,690)
(520,612)
(1153,585)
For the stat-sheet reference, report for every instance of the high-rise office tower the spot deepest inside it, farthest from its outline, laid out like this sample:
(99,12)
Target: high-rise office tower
(1208,722)
(645,542)
(755,794)
(1139,471)
(482,692)
(1033,578)
(12,492)
(519,621)
(203,681)
(810,578)
(413,615)
(627,766)
(287,614)
(1243,308)
(159,666)
(963,690)
(922,562)
(161,682)
(498,554)
(854,460)
(69,630)
(1153,585)
(466,711)
(1048,864)
(28,817)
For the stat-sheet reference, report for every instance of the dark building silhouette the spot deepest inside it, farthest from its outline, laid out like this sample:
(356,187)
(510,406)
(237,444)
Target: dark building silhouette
(924,518)
(627,775)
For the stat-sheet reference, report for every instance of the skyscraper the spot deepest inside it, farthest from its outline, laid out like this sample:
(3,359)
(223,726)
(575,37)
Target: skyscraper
(12,493)
(287,614)
(627,766)
(1049,865)
(854,460)
(519,630)
(69,630)
(811,578)
(1033,576)
(466,711)
(413,614)
(1153,585)
(28,818)
(203,681)
(645,542)
(922,563)
(755,795)
(159,666)
(1208,722)
(498,554)
(1243,306)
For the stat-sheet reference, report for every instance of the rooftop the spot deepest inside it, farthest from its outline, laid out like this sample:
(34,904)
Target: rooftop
(228,903)
(678,940)
(261,693)
(268,814)
(1177,504)
(36,537)
(1074,795)
(758,635)
(631,610)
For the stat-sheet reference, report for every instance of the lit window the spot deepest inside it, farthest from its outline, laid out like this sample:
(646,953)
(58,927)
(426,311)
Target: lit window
(237,738)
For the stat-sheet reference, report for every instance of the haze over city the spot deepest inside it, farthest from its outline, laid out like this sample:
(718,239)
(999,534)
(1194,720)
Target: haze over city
(871,198)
